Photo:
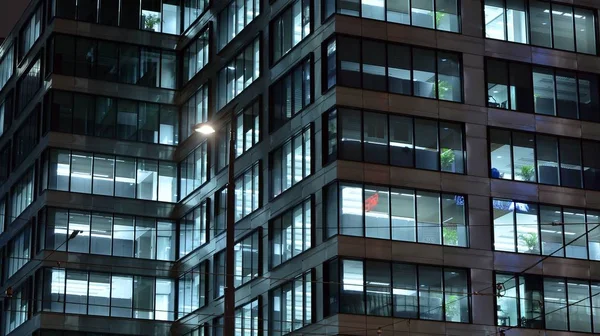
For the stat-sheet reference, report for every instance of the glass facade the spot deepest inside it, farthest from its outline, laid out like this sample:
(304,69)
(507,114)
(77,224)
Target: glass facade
(111,61)
(247,318)
(534,301)
(290,27)
(545,159)
(30,32)
(7,66)
(193,230)
(438,14)
(163,16)
(527,227)
(194,111)
(196,55)
(193,170)
(106,294)
(6,110)
(241,71)
(291,233)
(247,197)
(234,18)
(123,119)
(541,23)
(362,63)
(16,310)
(109,234)
(25,139)
(22,194)
(382,288)
(109,175)
(395,213)
(29,84)
(395,140)
(291,305)
(18,252)
(542,90)
(291,94)
(247,134)
(291,163)
(192,287)
(247,255)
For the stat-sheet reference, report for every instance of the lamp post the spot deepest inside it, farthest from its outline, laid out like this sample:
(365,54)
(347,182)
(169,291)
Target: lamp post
(229,311)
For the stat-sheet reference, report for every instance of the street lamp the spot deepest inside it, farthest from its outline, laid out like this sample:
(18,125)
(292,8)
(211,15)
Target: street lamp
(229,311)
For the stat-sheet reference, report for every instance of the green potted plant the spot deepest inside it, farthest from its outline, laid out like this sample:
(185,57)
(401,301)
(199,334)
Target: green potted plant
(527,172)
(439,16)
(447,157)
(450,236)
(444,90)
(452,307)
(530,240)
(151,21)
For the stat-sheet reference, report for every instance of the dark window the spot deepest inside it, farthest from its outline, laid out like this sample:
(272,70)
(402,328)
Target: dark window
(130,14)
(87,10)
(65,8)
(109,12)
(29,84)
(291,93)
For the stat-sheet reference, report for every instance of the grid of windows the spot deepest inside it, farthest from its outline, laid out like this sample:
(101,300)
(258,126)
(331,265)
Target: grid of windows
(25,139)
(6,110)
(534,301)
(22,194)
(291,233)
(193,230)
(192,9)
(291,93)
(398,213)
(438,14)
(30,32)
(247,265)
(110,61)
(18,252)
(106,294)
(29,83)
(4,163)
(291,163)
(109,175)
(546,159)
(247,134)
(16,310)
(247,197)
(395,68)
(382,288)
(107,234)
(194,111)
(151,15)
(193,170)
(124,119)
(527,227)
(234,18)
(290,27)
(396,140)
(541,23)
(292,305)
(241,71)
(7,66)
(192,288)
(196,55)
(542,90)
(246,320)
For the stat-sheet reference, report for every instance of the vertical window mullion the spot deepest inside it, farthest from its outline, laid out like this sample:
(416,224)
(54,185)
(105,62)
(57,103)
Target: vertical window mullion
(552,26)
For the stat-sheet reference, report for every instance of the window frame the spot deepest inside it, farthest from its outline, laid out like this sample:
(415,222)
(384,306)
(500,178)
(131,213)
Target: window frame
(386,44)
(306,130)
(279,16)
(527,5)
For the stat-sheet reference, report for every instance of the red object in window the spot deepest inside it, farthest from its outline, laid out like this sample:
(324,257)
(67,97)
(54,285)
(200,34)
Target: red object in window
(371,202)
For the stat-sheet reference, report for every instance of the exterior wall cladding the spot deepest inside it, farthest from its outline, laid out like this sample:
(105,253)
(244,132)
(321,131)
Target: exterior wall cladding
(403,167)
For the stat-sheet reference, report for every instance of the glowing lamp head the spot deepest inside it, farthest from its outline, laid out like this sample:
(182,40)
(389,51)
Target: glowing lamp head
(205,129)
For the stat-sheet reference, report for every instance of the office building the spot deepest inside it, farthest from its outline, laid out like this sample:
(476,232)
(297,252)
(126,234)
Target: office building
(402,167)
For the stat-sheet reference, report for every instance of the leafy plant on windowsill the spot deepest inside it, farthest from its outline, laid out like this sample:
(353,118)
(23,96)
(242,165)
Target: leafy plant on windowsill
(450,236)
(447,158)
(439,16)
(151,21)
(452,306)
(527,172)
(444,90)
(530,240)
